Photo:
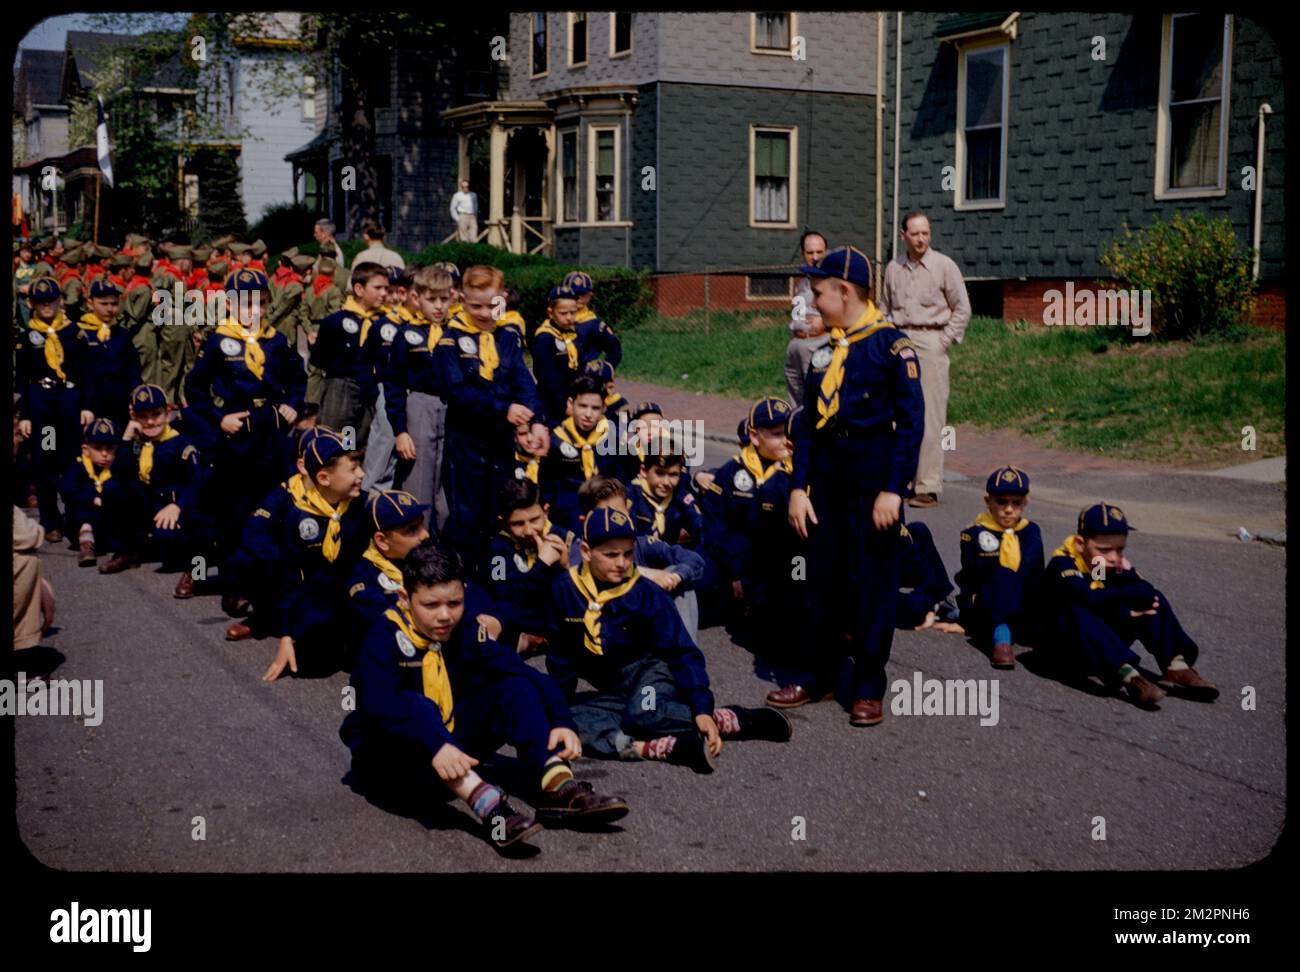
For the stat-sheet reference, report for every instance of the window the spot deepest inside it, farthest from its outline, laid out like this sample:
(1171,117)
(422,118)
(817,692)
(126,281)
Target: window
(1192,124)
(308,96)
(604,156)
(577,39)
(313,192)
(982,126)
(773,161)
(539,45)
(769,286)
(191,196)
(620,34)
(771,33)
(569,177)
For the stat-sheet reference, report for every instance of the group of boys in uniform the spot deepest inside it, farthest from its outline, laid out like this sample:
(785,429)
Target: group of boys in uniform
(561,537)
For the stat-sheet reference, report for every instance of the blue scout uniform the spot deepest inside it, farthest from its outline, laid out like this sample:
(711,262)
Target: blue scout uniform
(922,578)
(859,435)
(665,520)
(623,640)
(574,458)
(560,356)
(580,283)
(414,696)
(106,499)
(1086,623)
(615,404)
(481,373)
(520,583)
(415,406)
(252,569)
(1000,569)
(381,459)
(50,374)
(112,361)
(347,351)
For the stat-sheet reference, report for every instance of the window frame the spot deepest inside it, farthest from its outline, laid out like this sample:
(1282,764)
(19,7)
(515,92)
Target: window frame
(613,33)
(782,298)
(586,48)
(960,202)
(793,212)
(1162,190)
(560,218)
(775,51)
(532,45)
(592,134)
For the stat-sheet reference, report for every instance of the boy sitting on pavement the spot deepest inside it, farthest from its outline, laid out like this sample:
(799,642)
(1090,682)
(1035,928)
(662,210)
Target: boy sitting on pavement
(923,587)
(100,493)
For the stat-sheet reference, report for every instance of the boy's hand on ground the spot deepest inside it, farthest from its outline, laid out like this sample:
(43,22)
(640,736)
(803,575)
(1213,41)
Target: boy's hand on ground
(230,424)
(284,656)
(405,446)
(491,625)
(568,739)
(289,412)
(704,722)
(451,764)
(801,512)
(167,517)
(886,509)
(1155,606)
(927,623)
(949,627)
(518,414)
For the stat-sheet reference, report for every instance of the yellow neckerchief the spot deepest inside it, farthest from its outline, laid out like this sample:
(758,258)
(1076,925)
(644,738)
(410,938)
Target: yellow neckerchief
(297,487)
(313,502)
(661,522)
(254,356)
(53,346)
(529,552)
(455,309)
(570,339)
(487,346)
(596,600)
(1068,549)
(146,452)
(352,307)
(512,319)
(568,432)
(99,479)
(584,315)
(91,322)
(433,670)
(1009,553)
(386,566)
(611,396)
(752,461)
(828,396)
(531,465)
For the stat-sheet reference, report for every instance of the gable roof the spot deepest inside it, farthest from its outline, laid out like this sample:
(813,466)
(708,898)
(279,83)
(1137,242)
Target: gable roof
(87,52)
(40,75)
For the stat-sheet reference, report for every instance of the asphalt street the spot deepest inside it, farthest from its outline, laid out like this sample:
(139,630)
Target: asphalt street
(190,731)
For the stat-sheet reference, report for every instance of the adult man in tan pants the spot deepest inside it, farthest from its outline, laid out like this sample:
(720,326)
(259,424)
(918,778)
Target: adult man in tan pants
(923,293)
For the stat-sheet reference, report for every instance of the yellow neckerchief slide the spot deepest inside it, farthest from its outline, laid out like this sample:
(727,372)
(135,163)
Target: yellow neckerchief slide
(98,478)
(1070,549)
(596,600)
(352,307)
(92,322)
(531,465)
(313,502)
(433,670)
(529,552)
(53,346)
(386,566)
(1009,552)
(586,445)
(661,522)
(487,346)
(570,339)
(146,452)
(254,356)
(828,395)
(752,461)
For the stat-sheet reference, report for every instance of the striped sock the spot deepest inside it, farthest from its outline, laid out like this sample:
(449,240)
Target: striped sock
(86,534)
(659,748)
(484,799)
(1127,672)
(728,722)
(555,774)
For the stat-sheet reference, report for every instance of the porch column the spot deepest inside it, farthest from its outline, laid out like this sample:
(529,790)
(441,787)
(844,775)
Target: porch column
(496,213)
(519,209)
(550,184)
(462,158)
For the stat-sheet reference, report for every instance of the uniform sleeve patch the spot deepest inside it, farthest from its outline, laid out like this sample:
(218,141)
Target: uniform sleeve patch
(188,452)
(356,589)
(901,345)
(965,537)
(911,370)
(261,512)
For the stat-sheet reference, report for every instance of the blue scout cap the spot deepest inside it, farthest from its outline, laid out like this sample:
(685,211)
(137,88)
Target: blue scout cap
(452,269)
(1103,518)
(792,420)
(844,263)
(321,451)
(600,368)
(309,436)
(103,287)
(578,282)
(606,524)
(742,431)
(146,397)
(647,408)
(103,432)
(1007,481)
(394,508)
(247,281)
(768,413)
(562,292)
(44,290)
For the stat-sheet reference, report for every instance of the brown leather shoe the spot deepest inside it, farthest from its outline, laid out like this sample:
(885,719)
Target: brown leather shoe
(118,563)
(867,712)
(1142,693)
(86,555)
(1187,682)
(923,500)
(53,536)
(184,587)
(239,632)
(1004,656)
(793,696)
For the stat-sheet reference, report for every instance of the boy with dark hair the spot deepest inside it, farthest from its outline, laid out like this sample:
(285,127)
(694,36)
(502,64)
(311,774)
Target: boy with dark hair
(562,347)
(610,626)
(436,694)
(615,404)
(523,558)
(100,493)
(1095,605)
(112,362)
(584,444)
(661,505)
(345,351)
(1001,568)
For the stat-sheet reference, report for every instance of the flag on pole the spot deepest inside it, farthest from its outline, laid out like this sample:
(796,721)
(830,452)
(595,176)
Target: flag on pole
(101,138)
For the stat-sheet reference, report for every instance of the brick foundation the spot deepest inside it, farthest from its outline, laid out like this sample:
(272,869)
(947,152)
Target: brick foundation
(680,294)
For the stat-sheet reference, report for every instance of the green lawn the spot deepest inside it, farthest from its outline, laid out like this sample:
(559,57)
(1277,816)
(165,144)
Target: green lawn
(1072,388)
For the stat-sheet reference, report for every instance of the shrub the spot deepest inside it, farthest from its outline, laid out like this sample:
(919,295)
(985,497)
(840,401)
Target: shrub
(1198,274)
(622,296)
(283,226)
(468,254)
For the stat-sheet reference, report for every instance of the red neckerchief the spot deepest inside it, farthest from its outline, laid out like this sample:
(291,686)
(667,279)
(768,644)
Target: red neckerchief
(286,275)
(321,283)
(136,283)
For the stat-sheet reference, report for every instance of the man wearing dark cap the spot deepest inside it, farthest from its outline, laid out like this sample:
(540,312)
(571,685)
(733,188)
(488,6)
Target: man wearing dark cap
(855,454)
(1095,605)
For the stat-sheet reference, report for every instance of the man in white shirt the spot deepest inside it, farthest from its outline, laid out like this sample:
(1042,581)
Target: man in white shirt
(375,252)
(464,212)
